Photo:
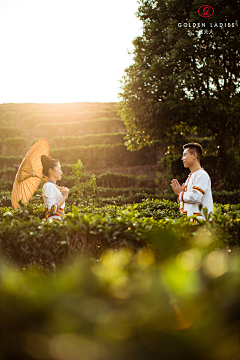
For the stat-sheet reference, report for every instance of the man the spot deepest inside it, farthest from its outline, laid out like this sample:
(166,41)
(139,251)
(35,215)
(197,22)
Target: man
(195,194)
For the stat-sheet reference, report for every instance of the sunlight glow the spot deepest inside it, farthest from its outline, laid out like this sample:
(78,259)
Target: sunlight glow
(65,51)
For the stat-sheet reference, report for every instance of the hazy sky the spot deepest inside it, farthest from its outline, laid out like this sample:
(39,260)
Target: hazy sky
(65,50)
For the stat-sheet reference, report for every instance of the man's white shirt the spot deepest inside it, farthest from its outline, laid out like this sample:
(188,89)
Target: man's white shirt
(197,190)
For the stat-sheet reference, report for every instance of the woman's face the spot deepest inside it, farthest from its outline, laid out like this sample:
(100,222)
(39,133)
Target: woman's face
(56,172)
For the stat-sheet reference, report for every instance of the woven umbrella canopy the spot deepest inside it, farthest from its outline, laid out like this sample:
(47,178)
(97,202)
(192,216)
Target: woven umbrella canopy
(29,173)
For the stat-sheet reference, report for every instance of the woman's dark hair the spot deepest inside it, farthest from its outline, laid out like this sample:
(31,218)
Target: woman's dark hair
(47,164)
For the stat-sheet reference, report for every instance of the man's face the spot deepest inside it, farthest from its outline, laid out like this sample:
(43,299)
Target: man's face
(187,158)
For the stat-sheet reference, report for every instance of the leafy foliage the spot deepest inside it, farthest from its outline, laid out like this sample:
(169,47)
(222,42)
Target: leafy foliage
(95,139)
(12,146)
(97,126)
(83,190)
(88,230)
(102,156)
(183,81)
(9,161)
(161,287)
(9,132)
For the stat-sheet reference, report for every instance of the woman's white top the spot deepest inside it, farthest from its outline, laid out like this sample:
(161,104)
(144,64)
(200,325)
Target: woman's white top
(197,191)
(51,195)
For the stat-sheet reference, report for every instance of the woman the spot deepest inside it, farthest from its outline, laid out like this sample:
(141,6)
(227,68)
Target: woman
(53,196)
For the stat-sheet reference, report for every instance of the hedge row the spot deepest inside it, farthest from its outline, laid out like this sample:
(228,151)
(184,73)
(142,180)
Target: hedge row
(8,174)
(156,209)
(126,199)
(112,180)
(85,110)
(102,156)
(50,130)
(28,240)
(12,146)
(9,132)
(96,139)
(9,161)
(102,196)
(115,180)
(118,186)
(227,197)
(69,116)
(109,180)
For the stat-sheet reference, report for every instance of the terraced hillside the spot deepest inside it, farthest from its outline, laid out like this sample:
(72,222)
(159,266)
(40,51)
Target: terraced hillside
(92,132)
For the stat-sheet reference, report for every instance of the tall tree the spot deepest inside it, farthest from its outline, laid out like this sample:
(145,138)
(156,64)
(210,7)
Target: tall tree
(184,77)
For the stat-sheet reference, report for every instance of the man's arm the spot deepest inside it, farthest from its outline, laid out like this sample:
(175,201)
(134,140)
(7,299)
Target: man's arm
(200,184)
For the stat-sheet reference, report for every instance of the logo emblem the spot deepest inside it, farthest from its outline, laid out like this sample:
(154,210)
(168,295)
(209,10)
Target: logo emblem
(206,11)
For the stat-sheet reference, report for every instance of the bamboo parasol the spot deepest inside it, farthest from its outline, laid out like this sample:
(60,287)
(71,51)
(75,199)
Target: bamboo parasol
(29,173)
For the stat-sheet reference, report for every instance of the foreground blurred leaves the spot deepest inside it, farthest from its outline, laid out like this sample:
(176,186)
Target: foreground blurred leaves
(132,282)
(127,305)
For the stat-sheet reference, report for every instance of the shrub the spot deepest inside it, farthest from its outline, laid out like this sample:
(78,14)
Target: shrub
(84,190)
(13,146)
(101,156)
(9,132)
(27,240)
(114,180)
(8,174)
(96,139)
(50,130)
(9,161)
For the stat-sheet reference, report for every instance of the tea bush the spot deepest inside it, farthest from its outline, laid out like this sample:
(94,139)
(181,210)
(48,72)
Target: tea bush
(27,239)
(95,139)
(102,156)
(9,161)
(79,128)
(114,180)
(12,146)
(9,132)
(8,174)
(59,117)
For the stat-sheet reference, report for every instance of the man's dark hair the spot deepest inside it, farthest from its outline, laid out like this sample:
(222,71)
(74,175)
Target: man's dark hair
(194,147)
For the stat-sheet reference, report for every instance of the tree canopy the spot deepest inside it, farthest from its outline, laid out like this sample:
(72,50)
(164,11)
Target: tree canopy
(183,77)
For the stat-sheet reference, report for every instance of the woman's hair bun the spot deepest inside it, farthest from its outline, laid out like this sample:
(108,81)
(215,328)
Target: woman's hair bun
(47,164)
(45,160)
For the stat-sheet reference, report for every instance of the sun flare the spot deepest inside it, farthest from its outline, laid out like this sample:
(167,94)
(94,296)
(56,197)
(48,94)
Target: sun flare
(55,51)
